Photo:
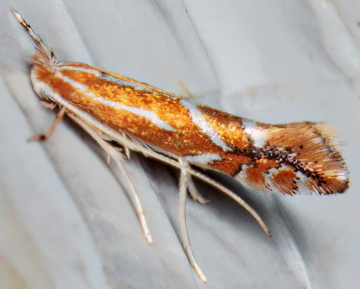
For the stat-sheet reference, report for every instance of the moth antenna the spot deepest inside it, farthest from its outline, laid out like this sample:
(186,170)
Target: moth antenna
(46,55)
(28,28)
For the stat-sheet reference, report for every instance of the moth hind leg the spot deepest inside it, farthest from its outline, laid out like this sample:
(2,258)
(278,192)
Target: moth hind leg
(194,193)
(119,150)
(183,234)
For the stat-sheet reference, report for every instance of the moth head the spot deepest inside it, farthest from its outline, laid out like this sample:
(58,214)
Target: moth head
(43,91)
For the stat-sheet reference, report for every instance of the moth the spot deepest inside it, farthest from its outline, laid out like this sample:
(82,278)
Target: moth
(120,112)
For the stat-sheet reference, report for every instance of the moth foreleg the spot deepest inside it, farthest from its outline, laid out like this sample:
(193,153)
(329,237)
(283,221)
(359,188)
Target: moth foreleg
(42,137)
(184,237)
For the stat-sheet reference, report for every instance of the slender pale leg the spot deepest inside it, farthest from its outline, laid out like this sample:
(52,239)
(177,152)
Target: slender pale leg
(130,189)
(42,137)
(194,193)
(184,238)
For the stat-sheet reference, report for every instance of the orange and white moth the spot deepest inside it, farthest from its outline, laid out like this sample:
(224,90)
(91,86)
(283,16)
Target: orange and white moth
(294,158)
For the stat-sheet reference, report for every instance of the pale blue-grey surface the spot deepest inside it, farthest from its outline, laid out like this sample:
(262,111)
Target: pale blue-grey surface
(64,219)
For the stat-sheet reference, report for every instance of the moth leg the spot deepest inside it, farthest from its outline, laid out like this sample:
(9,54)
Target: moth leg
(194,193)
(123,151)
(189,94)
(49,105)
(134,199)
(45,136)
(130,189)
(184,238)
(126,149)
